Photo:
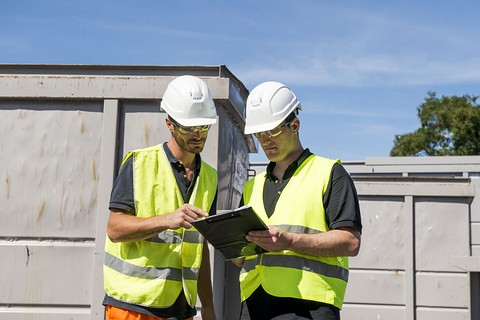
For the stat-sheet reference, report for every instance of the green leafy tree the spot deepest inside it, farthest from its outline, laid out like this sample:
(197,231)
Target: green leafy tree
(450,126)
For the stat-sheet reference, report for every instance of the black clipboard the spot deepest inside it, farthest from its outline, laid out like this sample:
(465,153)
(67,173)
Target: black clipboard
(226,232)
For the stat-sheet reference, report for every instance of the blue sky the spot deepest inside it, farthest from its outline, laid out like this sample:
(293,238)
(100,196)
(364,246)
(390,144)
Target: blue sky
(359,68)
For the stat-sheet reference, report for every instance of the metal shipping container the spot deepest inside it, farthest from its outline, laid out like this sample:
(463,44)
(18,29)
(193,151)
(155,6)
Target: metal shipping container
(420,252)
(64,131)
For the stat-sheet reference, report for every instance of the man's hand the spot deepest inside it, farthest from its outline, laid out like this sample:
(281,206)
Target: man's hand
(123,226)
(273,239)
(183,217)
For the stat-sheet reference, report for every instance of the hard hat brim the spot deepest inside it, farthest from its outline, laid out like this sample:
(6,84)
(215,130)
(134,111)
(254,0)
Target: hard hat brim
(262,127)
(196,122)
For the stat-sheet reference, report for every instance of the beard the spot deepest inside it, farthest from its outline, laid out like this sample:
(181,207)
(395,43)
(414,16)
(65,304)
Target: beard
(191,144)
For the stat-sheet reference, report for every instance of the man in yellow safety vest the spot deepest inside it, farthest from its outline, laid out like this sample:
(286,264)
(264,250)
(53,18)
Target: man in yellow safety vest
(154,259)
(311,207)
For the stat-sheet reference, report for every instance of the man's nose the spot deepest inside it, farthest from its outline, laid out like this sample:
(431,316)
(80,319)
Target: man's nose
(263,137)
(197,134)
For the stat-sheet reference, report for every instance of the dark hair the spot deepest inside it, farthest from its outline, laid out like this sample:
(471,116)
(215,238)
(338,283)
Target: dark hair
(173,120)
(291,116)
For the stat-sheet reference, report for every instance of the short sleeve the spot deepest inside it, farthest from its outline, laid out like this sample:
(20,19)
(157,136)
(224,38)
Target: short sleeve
(341,201)
(121,197)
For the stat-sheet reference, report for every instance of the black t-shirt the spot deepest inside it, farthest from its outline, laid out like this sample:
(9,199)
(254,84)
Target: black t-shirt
(122,198)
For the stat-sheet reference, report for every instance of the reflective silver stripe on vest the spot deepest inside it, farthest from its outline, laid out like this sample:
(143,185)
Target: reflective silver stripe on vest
(132,270)
(300,263)
(297,229)
(249,265)
(190,273)
(192,236)
(167,236)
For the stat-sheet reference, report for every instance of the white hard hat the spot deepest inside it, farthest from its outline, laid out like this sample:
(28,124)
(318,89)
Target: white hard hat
(189,102)
(268,105)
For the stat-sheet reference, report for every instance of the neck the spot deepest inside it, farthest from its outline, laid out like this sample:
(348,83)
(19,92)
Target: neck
(184,157)
(281,166)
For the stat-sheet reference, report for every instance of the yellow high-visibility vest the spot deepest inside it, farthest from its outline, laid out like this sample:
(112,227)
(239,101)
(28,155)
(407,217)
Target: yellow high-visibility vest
(152,272)
(299,210)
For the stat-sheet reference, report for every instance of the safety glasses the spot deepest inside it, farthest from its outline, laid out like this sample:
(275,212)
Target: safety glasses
(190,130)
(274,132)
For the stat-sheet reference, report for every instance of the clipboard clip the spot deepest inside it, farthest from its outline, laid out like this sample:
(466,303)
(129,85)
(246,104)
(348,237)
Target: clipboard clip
(220,217)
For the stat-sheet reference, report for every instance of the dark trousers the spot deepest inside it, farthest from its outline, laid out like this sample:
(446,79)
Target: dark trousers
(262,306)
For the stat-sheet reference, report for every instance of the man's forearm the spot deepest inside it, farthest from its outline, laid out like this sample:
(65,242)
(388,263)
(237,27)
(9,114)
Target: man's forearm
(334,243)
(123,227)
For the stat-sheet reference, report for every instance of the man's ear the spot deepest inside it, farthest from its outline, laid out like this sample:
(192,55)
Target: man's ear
(295,125)
(169,124)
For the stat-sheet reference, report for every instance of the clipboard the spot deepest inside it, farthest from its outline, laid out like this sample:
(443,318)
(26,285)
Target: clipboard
(226,232)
